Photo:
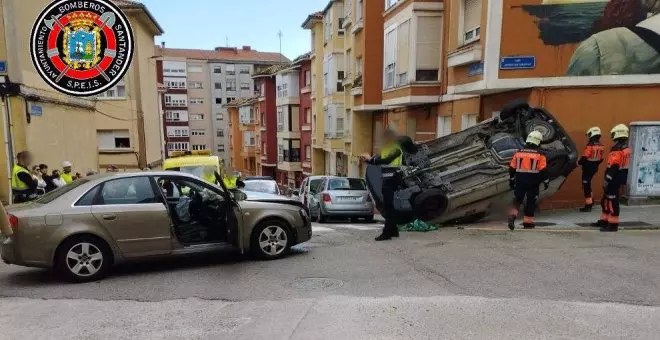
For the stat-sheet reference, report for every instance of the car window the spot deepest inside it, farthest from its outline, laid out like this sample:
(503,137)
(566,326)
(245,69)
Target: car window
(315,186)
(177,187)
(346,184)
(269,187)
(88,198)
(55,194)
(133,190)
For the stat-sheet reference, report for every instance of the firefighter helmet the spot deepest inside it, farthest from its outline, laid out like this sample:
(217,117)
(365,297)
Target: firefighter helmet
(620,131)
(593,132)
(534,137)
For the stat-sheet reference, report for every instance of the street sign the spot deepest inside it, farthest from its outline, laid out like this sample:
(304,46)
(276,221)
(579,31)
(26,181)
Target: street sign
(475,69)
(3,66)
(517,63)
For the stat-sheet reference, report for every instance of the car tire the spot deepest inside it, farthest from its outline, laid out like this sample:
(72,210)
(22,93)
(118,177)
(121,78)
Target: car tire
(546,129)
(83,258)
(430,204)
(271,240)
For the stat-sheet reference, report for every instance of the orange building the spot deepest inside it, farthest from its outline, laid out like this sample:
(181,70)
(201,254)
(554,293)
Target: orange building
(244,135)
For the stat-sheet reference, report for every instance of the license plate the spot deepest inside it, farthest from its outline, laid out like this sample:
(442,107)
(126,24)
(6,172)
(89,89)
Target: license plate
(349,198)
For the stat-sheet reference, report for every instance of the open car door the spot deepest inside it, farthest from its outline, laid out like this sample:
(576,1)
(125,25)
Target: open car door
(234,215)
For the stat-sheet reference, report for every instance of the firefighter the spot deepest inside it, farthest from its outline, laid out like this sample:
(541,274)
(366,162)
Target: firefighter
(527,171)
(590,160)
(66,172)
(616,175)
(392,155)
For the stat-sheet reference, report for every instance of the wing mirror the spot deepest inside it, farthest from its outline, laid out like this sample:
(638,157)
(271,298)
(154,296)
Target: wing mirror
(238,195)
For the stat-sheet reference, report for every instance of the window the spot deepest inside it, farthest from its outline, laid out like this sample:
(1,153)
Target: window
(308,152)
(177,131)
(340,127)
(280,119)
(174,83)
(178,146)
(116,92)
(133,190)
(218,100)
(195,68)
(390,3)
(402,53)
(220,133)
(198,133)
(221,148)
(428,48)
(340,27)
(308,115)
(176,116)
(244,70)
(217,86)
(195,84)
(471,20)
(390,59)
(196,101)
(245,86)
(113,139)
(197,116)
(358,9)
(285,90)
(199,147)
(220,116)
(468,120)
(444,126)
(308,77)
(327,30)
(231,85)
(231,70)
(217,69)
(230,99)
(175,100)
(248,138)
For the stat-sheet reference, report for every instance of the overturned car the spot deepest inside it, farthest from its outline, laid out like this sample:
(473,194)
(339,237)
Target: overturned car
(464,176)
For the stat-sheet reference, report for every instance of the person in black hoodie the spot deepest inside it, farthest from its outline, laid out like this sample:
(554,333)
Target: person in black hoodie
(590,160)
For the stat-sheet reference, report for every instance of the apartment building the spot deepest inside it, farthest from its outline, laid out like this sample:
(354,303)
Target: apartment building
(289,164)
(265,82)
(587,72)
(213,78)
(304,64)
(119,127)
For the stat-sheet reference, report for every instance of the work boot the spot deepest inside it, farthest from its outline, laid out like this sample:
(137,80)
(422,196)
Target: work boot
(610,228)
(529,226)
(383,237)
(512,222)
(586,208)
(600,224)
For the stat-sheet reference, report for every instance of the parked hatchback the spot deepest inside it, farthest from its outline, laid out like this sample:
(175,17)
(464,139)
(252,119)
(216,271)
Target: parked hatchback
(83,229)
(342,197)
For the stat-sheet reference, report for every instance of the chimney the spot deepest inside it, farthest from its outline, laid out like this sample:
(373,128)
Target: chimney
(162,44)
(247,48)
(226,49)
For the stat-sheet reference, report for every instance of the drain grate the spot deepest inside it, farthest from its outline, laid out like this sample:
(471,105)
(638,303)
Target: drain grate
(315,283)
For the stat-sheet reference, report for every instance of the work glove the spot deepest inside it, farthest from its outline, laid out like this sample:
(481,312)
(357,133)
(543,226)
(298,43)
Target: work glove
(546,184)
(512,183)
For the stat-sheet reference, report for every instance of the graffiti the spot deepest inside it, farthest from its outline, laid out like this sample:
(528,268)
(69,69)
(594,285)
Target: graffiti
(615,37)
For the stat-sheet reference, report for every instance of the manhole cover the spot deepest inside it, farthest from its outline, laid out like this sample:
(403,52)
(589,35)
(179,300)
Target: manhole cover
(314,283)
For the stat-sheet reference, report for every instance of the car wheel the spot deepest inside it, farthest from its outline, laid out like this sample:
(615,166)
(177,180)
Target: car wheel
(430,204)
(83,259)
(271,240)
(546,129)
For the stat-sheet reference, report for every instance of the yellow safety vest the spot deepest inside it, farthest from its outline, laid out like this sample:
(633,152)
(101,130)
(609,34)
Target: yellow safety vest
(68,179)
(230,182)
(210,178)
(16,183)
(390,149)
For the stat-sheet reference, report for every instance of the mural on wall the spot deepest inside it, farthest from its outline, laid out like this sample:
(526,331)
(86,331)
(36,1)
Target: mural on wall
(616,37)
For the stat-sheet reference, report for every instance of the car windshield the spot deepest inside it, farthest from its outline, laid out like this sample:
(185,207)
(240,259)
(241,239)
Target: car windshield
(53,195)
(269,187)
(201,171)
(346,184)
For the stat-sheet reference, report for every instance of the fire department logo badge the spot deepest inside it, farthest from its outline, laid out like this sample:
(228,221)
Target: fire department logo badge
(82,47)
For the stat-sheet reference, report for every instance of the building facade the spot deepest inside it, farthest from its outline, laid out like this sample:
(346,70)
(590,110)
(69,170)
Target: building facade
(265,81)
(213,78)
(120,127)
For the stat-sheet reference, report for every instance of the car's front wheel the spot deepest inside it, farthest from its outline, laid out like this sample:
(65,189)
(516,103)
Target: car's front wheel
(271,240)
(83,258)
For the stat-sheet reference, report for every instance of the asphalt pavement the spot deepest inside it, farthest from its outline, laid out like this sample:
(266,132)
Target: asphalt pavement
(474,282)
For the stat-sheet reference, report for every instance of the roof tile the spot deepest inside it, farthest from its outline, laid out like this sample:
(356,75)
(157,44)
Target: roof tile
(224,53)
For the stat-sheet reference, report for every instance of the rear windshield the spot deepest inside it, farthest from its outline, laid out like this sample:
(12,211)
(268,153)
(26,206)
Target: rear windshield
(315,186)
(269,187)
(55,194)
(346,184)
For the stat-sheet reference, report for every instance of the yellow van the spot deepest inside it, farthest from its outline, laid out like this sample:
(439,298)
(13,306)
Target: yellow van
(198,163)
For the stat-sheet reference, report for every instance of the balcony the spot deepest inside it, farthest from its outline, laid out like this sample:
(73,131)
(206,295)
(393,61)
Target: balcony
(465,55)
(290,160)
(249,151)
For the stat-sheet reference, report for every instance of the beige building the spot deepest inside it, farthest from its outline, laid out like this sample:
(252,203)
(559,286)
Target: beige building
(121,127)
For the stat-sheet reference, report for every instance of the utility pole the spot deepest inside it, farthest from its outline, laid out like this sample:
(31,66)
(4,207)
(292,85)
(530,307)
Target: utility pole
(226,41)
(280,35)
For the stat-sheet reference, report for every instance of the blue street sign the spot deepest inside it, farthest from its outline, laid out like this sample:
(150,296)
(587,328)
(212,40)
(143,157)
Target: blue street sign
(3,66)
(517,63)
(475,69)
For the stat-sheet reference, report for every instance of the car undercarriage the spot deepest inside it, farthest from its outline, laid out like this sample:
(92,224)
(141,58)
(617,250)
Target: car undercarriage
(463,176)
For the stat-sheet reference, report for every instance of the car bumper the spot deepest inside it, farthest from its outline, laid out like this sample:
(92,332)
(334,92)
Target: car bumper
(347,210)
(10,254)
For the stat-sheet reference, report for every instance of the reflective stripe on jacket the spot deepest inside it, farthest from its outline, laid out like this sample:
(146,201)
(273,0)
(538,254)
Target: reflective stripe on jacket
(528,161)
(16,183)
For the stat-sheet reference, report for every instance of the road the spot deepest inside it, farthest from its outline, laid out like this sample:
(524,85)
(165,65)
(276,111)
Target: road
(452,283)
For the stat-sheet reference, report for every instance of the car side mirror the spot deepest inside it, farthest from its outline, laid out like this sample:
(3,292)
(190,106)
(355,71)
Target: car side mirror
(238,195)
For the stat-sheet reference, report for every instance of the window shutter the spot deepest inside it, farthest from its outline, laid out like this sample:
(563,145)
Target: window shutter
(390,47)
(106,140)
(403,48)
(429,34)
(471,14)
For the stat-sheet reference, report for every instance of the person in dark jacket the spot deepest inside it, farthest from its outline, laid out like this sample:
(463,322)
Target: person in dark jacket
(590,160)
(23,185)
(390,155)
